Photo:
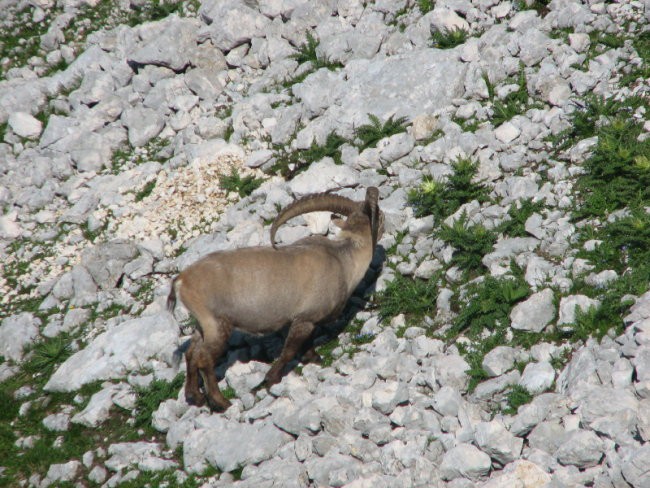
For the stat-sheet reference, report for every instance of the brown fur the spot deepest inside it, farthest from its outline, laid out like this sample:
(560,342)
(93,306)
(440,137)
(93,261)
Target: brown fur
(261,289)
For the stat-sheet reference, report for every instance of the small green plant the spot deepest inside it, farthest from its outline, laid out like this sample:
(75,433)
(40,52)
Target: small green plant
(449,38)
(236,184)
(229,393)
(519,213)
(152,11)
(290,163)
(514,103)
(517,396)
(307,52)
(411,296)
(425,6)
(541,6)
(370,134)
(468,125)
(562,34)
(146,191)
(471,243)
(325,351)
(442,199)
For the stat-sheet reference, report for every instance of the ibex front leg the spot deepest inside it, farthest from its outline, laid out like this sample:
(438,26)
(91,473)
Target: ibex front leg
(202,356)
(299,332)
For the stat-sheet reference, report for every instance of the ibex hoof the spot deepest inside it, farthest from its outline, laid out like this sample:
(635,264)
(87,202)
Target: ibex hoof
(271,379)
(194,399)
(311,356)
(218,405)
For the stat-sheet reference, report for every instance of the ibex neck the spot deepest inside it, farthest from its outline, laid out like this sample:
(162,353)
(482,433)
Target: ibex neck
(357,258)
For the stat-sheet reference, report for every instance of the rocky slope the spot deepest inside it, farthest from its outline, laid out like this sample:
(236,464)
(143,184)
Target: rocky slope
(502,336)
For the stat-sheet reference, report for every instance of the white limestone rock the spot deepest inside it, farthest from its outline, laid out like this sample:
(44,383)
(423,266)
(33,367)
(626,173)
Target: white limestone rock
(123,348)
(534,313)
(25,125)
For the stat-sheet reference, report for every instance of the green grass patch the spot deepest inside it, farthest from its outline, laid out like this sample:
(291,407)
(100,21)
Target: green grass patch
(236,184)
(165,478)
(470,243)
(442,199)
(150,397)
(468,125)
(370,134)
(540,6)
(449,38)
(22,42)
(325,351)
(484,317)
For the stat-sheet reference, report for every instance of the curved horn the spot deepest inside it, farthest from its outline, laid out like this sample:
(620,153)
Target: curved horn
(372,208)
(314,203)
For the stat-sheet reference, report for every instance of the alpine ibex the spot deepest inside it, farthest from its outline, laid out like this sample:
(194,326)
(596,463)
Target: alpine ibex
(259,290)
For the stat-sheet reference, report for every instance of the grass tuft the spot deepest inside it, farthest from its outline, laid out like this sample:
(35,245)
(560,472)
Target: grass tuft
(151,396)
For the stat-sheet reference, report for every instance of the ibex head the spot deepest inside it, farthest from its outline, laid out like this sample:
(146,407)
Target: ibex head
(366,211)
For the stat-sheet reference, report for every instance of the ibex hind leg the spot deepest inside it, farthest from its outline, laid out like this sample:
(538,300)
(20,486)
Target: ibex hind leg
(299,332)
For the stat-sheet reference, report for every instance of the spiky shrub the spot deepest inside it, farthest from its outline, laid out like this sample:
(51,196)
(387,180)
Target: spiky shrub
(242,186)
(411,296)
(487,305)
(442,199)
(307,52)
(515,103)
(470,243)
(517,396)
(290,163)
(370,134)
(519,213)
(618,172)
